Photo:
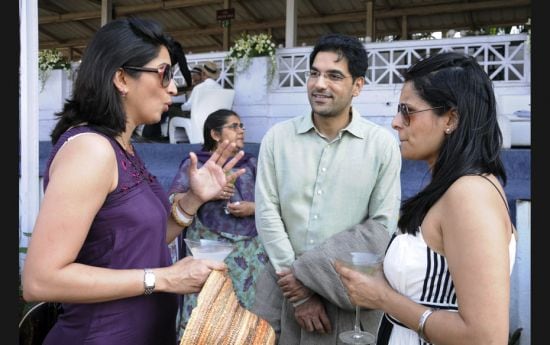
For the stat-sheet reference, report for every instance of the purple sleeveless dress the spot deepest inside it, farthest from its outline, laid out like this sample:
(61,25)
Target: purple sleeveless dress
(128,232)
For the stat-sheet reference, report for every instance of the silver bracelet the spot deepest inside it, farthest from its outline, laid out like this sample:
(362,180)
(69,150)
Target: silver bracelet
(420,330)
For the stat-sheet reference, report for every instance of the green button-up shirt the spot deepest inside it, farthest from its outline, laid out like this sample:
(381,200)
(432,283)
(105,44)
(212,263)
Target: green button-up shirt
(308,189)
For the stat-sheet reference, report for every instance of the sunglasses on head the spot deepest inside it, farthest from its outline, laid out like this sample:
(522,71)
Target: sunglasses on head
(164,71)
(403,109)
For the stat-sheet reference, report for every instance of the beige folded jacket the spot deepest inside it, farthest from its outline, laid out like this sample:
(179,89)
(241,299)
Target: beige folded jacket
(314,269)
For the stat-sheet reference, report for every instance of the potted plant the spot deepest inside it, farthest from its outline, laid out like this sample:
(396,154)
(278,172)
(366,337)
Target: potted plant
(250,46)
(49,59)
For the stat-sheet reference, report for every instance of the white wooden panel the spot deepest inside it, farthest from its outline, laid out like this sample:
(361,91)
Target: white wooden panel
(520,293)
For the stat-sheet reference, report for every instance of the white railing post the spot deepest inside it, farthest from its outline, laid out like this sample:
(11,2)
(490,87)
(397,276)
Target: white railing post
(520,294)
(28,162)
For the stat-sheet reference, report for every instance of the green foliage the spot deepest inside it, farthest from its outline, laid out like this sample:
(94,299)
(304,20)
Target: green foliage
(49,59)
(23,250)
(249,46)
(52,59)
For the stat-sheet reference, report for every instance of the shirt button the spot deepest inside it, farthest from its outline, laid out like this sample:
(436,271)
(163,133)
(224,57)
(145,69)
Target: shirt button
(319,192)
(315,216)
(311,241)
(324,169)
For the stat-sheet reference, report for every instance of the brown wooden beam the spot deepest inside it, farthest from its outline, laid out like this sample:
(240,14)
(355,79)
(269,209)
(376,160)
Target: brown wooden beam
(201,48)
(163,5)
(127,10)
(318,13)
(226,28)
(451,8)
(81,44)
(216,30)
(195,22)
(248,11)
(78,43)
(69,17)
(106,11)
(404,28)
(48,34)
(370,21)
(49,6)
(352,16)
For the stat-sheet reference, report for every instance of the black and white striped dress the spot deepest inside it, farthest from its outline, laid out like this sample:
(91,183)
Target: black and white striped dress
(421,274)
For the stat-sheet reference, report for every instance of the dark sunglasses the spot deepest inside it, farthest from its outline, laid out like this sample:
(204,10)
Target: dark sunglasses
(234,126)
(404,110)
(165,72)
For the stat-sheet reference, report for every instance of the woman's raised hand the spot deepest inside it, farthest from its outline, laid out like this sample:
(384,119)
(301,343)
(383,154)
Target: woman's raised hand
(208,181)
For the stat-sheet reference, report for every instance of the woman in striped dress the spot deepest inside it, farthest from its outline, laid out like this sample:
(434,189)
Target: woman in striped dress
(446,273)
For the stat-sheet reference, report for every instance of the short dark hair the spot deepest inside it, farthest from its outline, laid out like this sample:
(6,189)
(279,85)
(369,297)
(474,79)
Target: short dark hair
(95,99)
(455,81)
(345,46)
(215,121)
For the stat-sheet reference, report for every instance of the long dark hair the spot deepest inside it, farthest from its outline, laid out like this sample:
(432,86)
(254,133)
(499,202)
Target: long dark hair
(344,46)
(215,121)
(455,81)
(95,99)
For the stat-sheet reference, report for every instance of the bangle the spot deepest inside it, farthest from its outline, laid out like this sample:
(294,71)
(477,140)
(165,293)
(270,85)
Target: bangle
(420,330)
(182,218)
(184,211)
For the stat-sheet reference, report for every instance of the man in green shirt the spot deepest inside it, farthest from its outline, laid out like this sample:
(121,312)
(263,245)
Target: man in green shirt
(323,173)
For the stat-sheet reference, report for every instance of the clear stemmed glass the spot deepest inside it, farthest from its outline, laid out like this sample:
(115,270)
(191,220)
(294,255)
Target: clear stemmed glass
(209,249)
(367,263)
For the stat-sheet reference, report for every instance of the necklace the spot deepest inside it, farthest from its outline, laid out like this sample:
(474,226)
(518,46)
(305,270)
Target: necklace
(127,146)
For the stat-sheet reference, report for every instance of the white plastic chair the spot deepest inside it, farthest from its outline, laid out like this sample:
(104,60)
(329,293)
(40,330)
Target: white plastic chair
(206,102)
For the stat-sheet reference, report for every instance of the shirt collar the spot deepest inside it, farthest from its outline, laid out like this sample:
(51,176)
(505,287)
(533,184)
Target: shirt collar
(353,127)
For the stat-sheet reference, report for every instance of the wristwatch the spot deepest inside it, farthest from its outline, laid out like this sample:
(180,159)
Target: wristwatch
(148,281)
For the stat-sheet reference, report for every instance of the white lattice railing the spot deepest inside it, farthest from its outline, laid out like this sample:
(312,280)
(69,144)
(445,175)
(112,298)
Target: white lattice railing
(505,58)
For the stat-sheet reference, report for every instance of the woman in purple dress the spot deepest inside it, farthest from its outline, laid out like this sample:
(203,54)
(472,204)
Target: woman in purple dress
(100,242)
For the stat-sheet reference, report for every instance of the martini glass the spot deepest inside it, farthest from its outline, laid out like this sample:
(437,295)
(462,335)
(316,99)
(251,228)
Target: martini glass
(367,263)
(209,249)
